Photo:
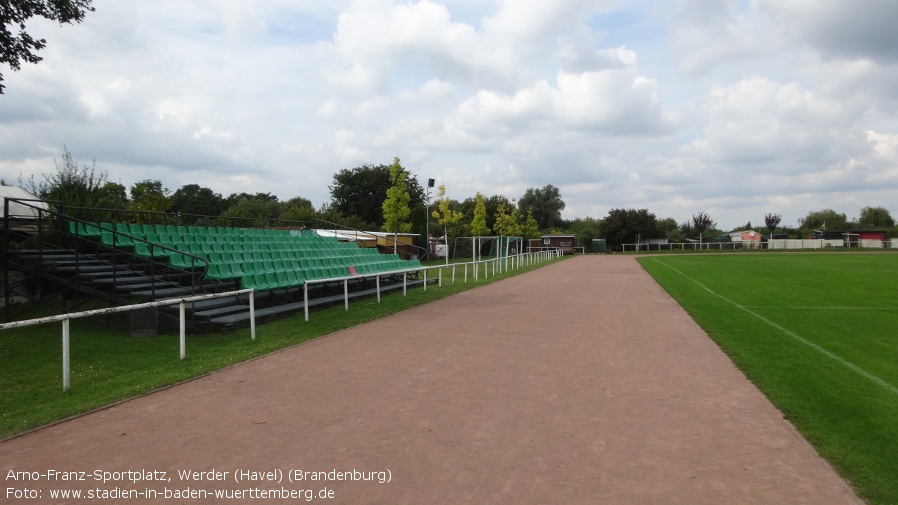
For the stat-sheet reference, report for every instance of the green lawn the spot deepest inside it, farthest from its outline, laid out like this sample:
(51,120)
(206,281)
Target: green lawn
(108,366)
(818,334)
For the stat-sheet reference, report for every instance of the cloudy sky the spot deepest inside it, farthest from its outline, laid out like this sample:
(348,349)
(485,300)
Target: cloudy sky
(736,108)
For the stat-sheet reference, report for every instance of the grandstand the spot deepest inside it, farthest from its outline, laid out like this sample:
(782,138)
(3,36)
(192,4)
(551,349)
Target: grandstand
(72,263)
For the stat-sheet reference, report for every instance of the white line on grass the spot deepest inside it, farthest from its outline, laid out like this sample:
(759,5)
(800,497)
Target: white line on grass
(851,366)
(816,308)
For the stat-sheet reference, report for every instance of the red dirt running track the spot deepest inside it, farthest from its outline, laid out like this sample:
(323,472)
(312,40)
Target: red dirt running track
(579,383)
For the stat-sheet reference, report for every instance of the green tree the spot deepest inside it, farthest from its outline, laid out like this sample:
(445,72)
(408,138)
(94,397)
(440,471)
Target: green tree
(826,219)
(328,215)
(623,226)
(17,48)
(445,215)
(506,223)
(112,197)
(192,201)
(585,229)
(149,196)
(71,185)
(700,223)
(297,209)
(546,204)
(252,210)
(361,192)
(478,223)
(876,217)
(771,221)
(490,204)
(669,228)
(396,205)
(530,230)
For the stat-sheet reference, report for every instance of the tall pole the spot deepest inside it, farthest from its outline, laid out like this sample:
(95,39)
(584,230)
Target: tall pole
(427,217)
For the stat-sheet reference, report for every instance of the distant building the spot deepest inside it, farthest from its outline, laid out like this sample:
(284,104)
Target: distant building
(851,237)
(563,243)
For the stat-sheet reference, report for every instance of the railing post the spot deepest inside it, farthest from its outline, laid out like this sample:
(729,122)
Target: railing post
(377,286)
(404,283)
(305,298)
(183,322)
(440,277)
(252,314)
(345,293)
(425,279)
(66,356)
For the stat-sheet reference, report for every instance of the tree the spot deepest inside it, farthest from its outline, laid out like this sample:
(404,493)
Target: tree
(546,204)
(490,204)
(701,222)
(149,196)
(623,226)
(195,200)
(445,215)
(669,228)
(585,229)
(252,210)
(876,217)
(506,223)
(17,48)
(530,230)
(823,219)
(71,185)
(478,223)
(111,195)
(396,205)
(361,192)
(771,221)
(297,209)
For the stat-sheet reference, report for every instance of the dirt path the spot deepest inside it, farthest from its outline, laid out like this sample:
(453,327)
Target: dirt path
(579,383)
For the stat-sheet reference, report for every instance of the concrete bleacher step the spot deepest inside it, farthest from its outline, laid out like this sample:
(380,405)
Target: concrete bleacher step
(163,293)
(211,314)
(242,316)
(147,284)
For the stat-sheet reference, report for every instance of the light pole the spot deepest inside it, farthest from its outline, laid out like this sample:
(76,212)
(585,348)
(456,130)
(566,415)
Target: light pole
(427,218)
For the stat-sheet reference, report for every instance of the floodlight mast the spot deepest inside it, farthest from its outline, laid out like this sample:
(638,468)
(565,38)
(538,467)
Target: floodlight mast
(427,218)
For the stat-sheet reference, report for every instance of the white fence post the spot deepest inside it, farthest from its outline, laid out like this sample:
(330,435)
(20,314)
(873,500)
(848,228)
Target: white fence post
(252,314)
(66,356)
(66,323)
(305,299)
(183,325)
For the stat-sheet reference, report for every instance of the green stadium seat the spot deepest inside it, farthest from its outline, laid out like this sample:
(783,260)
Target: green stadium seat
(249,282)
(271,280)
(282,279)
(145,250)
(108,237)
(237,270)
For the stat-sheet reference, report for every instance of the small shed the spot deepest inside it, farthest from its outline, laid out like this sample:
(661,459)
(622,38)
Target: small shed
(564,244)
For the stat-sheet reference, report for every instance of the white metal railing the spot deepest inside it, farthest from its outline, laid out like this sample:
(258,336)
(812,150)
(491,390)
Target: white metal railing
(66,318)
(498,266)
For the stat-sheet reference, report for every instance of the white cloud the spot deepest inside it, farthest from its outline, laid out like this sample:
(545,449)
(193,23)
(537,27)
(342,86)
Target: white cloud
(741,108)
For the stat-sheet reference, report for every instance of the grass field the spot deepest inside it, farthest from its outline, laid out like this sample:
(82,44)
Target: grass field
(108,365)
(818,334)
